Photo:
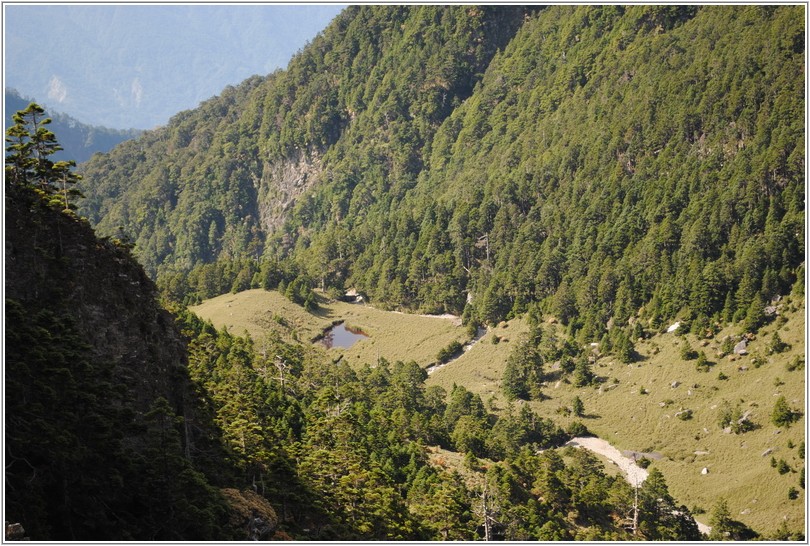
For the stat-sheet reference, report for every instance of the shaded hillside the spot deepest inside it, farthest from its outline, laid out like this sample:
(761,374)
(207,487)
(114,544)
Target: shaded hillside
(79,140)
(105,438)
(606,160)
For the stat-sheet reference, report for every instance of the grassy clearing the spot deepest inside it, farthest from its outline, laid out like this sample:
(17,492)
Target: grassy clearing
(480,369)
(393,336)
(617,411)
(259,311)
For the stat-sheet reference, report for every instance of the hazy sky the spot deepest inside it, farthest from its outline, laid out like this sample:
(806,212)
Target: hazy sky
(134,66)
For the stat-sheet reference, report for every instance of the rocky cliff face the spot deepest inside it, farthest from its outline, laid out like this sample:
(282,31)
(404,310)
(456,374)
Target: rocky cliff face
(282,183)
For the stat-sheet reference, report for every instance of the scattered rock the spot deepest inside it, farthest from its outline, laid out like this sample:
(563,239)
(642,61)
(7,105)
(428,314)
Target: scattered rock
(740,348)
(674,384)
(701,452)
(745,512)
(744,417)
(767,452)
(742,368)
(704,471)
(732,358)
(15,531)
(704,343)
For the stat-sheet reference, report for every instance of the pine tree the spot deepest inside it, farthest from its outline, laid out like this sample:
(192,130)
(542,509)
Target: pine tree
(28,163)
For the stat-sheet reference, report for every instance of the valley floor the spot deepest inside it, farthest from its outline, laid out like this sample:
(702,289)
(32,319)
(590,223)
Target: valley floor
(659,387)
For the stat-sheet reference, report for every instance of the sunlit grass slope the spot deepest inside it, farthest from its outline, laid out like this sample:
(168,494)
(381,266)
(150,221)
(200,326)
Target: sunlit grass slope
(393,336)
(634,407)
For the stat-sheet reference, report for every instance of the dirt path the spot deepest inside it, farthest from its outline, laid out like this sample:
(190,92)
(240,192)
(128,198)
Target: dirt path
(447,316)
(635,474)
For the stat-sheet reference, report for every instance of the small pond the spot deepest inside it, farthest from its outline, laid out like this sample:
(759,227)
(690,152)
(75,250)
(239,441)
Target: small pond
(341,336)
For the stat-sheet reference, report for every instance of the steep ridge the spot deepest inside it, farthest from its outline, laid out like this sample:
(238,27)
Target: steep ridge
(606,159)
(96,390)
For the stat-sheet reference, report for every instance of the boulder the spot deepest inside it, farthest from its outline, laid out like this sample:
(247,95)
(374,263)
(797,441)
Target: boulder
(673,327)
(704,471)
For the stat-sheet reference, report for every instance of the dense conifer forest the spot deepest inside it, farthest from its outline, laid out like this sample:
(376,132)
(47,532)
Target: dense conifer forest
(611,167)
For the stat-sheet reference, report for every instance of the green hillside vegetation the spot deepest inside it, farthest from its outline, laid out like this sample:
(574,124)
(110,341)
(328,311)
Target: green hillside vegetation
(433,166)
(575,179)
(739,463)
(635,407)
(127,422)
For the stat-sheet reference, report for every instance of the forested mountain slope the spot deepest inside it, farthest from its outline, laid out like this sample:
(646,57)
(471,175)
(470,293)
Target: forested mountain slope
(120,426)
(597,160)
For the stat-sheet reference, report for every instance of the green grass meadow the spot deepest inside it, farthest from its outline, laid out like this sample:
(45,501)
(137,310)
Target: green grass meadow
(393,336)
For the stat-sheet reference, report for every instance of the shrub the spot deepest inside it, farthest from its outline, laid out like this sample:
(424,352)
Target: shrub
(777,345)
(449,352)
(687,352)
(702,363)
(578,407)
(796,364)
(758,360)
(782,467)
(578,429)
(644,462)
(783,415)
(728,345)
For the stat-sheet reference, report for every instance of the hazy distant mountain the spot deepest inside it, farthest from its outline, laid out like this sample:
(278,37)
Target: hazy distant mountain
(79,140)
(130,66)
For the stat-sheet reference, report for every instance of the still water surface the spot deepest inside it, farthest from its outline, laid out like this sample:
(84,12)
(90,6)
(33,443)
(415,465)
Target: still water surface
(341,336)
